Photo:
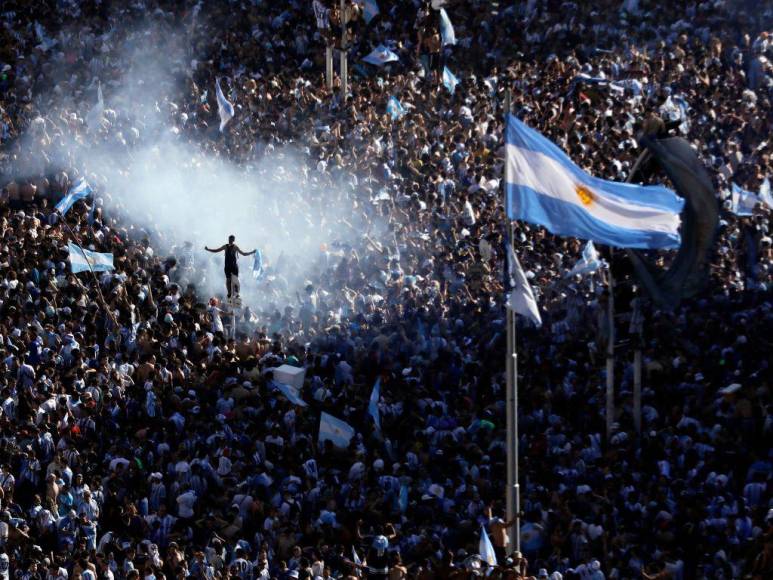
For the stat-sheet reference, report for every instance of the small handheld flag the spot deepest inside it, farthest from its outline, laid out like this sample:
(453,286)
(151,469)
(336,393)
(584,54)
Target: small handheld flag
(370,10)
(257,266)
(742,202)
(224,108)
(335,430)
(765,196)
(449,80)
(521,298)
(380,56)
(544,187)
(589,262)
(395,108)
(446,29)
(82,260)
(486,549)
(290,393)
(78,191)
(375,395)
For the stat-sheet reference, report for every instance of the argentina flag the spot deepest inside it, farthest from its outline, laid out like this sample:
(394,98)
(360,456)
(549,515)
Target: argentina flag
(224,109)
(82,260)
(449,80)
(395,108)
(370,10)
(335,430)
(373,411)
(446,29)
(78,191)
(544,187)
(380,56)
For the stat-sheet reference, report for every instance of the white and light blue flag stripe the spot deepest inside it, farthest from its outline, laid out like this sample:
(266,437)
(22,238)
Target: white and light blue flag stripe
(82,260)
(449,80)
(446,29)
(395,108)
(544,187)
(78,191)
(375,395)
(290,393)
(224,108)
(335,430)
(370,10)
(742,202)
(257,265)
(380,56)
(486,549)
(589,263)
(765,196)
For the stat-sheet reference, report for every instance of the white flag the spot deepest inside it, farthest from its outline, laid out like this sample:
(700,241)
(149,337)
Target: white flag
(764,194)
(521,298)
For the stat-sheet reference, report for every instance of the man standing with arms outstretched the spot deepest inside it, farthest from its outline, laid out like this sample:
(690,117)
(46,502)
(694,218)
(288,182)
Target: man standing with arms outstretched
(231,265)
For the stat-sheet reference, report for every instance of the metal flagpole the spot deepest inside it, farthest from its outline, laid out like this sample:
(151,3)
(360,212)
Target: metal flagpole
(329,66)
(637,328)
(610,395)
(344,56)
(513,498)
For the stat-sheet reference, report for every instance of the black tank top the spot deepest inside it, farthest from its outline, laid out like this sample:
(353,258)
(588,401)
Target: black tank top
(230,257)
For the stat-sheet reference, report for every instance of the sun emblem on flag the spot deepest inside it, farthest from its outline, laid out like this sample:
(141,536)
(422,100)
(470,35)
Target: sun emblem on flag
(586,195)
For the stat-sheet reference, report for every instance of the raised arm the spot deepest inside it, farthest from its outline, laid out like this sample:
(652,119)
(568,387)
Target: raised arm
(238,249)
(215,250)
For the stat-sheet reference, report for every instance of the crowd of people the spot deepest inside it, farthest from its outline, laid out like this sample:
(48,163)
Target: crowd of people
(143,436)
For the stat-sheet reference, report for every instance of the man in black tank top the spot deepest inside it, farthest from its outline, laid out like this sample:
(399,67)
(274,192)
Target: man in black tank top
(231,265)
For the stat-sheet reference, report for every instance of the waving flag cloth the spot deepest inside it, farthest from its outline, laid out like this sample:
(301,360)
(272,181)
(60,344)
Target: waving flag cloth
(224,108)
(335,430)
(82,260)
(375,395)
(97,114)
(380,56)
(765,196)
(395,108)
(290,393)
(486,549)
(257,266)
(521,298)
(742,202)
(449,80)
(370,10)
(589,262)
(78,191)
(544,187)
(446,29)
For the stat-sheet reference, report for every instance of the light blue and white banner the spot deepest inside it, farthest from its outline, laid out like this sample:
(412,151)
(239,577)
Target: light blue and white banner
(544,187)
(82,260)
(78,191)
(521,298)
(486,549)
(335,430)
(257,265)
(446,29)
(589,263)
(395,108)
(290,393)
(380,56)
(375,396)
(224,108)
(370,10)
(449,80)
(742,202)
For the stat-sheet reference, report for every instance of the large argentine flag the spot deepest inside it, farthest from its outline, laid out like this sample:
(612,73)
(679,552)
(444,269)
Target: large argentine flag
(290,393)
(79,190)
(544,187)
(335,430)
(82,260)
(380,56)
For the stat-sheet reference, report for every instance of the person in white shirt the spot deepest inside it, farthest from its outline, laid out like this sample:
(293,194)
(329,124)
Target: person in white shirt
(185,503)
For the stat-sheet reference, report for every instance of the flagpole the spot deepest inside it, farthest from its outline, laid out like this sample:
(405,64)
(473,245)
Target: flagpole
(513,498)
(610,390)
(637,332)
(344,64)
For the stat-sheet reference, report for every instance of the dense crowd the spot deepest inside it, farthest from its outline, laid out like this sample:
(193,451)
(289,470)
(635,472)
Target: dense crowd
(143,437)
